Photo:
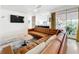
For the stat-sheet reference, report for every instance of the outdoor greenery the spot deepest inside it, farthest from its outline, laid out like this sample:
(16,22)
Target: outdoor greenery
(70,28)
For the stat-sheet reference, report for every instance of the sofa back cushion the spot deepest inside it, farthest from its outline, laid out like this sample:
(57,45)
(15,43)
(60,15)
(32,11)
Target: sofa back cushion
(60,36)
(52,47)
(53,31)
(37,49)
(39,29)
(46,30)
(53,37)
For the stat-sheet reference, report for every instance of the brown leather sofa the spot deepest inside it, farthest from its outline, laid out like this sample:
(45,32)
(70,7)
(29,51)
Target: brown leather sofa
(43,31)
(57,46)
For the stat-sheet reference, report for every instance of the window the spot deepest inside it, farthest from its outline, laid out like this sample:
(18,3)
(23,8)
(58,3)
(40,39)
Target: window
(68,21)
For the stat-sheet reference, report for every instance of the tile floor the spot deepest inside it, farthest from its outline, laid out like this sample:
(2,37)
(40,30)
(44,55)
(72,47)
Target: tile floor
(73,47)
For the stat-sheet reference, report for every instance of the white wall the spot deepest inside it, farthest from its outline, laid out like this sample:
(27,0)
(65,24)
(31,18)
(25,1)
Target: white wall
(9,29)
(41,18)
(29,19)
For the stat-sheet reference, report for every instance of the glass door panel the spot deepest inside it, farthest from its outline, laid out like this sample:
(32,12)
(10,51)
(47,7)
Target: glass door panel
(68,21)
(61,21)
(72,24)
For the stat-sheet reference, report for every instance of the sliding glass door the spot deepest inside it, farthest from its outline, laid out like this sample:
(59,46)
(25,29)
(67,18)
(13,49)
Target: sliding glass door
(68,20)
(72,24)
(61,21)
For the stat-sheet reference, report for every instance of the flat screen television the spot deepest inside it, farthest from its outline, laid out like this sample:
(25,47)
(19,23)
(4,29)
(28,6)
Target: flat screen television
(16,19)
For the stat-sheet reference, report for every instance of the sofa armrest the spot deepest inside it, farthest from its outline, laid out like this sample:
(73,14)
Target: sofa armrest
(63,46)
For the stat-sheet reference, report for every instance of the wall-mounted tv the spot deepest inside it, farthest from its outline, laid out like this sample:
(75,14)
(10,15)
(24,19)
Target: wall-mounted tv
(16,19)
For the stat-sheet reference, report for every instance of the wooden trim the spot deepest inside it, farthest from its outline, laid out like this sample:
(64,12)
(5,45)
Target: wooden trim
(53,20)
(78,27)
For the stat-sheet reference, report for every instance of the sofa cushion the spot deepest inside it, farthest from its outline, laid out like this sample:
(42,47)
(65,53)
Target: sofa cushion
(42,30)
(38,34)
(53,37)
(52,47)
(41,40)
(53,31)
(37,49)
(60,36)
(46,30)
(39,29)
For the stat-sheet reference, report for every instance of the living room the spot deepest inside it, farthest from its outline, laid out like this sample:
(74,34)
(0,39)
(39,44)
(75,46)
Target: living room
(38,29)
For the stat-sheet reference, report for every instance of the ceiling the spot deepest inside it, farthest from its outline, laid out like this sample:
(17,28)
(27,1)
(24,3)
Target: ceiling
(31,8)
